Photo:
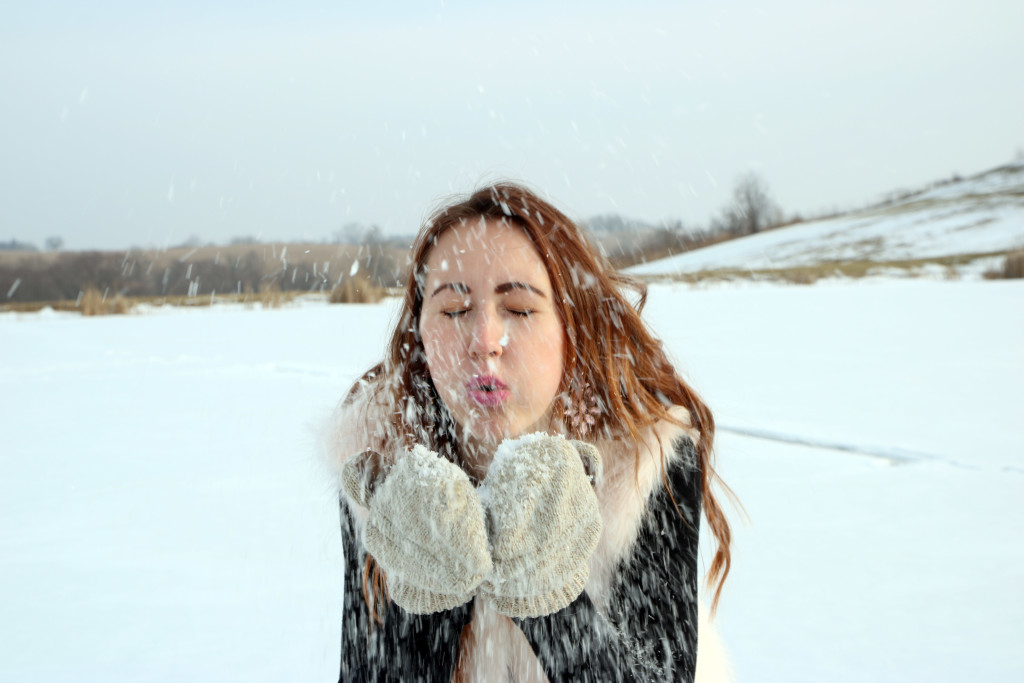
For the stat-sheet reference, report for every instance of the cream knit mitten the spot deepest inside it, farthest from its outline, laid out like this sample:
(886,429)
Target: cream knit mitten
(425,528)
(544,523)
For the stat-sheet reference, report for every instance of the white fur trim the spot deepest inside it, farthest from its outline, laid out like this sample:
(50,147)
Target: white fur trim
(713,664)
(623,493)
(357,424)
(360,422)
(497,650)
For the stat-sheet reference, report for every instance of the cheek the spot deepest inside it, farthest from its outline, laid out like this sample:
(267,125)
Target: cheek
(544,356)
(556,365)
(439,347)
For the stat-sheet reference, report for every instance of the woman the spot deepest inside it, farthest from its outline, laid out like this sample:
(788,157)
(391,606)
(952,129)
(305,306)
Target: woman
(523,474)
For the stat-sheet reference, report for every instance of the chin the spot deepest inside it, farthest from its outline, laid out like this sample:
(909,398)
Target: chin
(492,430)
(494,426)
(495,432)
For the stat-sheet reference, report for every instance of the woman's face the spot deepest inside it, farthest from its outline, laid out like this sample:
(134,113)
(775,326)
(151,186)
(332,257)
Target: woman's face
(493,337)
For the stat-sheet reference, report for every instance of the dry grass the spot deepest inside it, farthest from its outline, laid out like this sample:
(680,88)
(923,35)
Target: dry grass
(120,305)
(270,295)
(1013,267)
(805,275)
(94,302)
(357,290)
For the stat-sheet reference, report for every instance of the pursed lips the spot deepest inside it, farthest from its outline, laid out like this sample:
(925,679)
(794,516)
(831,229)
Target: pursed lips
(487,390)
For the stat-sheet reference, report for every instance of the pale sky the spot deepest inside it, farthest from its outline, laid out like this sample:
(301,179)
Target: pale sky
(127,123)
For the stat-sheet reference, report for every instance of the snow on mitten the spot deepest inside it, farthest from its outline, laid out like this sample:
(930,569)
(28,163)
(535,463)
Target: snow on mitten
(425,528)
(544,523)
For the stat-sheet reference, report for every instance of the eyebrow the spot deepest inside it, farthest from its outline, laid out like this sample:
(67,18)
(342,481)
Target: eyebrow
(457,287)
(503,288)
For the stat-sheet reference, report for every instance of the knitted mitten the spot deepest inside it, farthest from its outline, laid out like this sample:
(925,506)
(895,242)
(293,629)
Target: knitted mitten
(425,528)
(544,523)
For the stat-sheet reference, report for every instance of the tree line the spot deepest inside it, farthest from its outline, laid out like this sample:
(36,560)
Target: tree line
(238,270)
(247,265)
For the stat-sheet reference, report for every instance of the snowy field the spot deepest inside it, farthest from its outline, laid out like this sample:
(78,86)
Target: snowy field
(164,516)
(976,215)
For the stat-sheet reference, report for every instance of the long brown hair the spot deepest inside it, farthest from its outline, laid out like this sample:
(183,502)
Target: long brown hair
(634,387)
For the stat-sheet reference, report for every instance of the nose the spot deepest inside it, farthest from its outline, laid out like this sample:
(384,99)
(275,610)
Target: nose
(488,330)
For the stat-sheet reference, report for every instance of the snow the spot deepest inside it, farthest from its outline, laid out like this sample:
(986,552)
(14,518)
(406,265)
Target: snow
(164,514)
(431,469)
(978,215)
(515,475)
(510,448)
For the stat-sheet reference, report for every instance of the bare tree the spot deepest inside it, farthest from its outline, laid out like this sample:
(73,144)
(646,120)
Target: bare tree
(752,209)
(350,233)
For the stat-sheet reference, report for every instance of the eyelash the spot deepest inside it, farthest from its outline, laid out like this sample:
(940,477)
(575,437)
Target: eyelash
(525,313)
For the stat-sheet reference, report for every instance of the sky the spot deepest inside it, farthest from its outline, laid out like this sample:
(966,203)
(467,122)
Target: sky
(145,124)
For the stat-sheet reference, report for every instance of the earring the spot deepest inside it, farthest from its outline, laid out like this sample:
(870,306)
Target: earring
(582,410)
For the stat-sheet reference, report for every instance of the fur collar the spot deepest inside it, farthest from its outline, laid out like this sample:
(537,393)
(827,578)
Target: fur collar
(359,423)
(628,482)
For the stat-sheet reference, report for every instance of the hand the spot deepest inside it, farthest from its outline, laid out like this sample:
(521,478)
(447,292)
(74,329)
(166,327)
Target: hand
(425,528)
(544,523)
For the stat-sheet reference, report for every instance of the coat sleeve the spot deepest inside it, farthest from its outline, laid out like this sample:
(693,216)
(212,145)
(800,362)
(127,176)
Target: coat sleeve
(407,647)
(649,630)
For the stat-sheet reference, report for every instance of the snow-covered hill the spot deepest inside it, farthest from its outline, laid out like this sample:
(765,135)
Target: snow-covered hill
(973,217)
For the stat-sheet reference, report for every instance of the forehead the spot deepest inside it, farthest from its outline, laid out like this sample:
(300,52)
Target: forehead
(487,250)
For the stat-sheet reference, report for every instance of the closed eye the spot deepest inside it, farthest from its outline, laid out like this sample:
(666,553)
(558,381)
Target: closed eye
(457,313)
(521,313)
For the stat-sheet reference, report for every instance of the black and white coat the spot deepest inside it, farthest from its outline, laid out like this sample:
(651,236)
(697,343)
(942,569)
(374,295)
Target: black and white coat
(637,619)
